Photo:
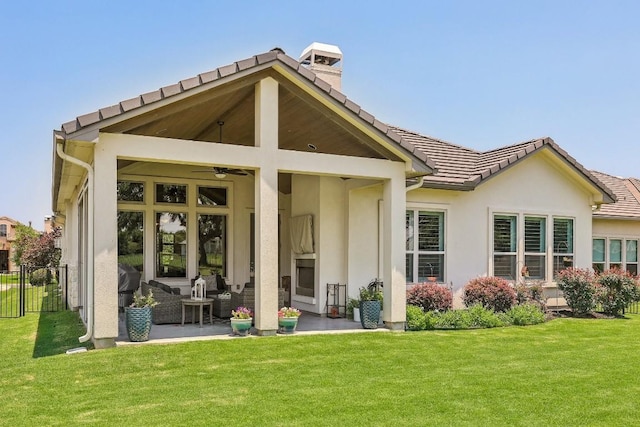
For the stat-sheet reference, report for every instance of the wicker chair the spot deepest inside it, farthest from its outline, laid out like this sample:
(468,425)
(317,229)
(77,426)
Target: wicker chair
(247,298)
(169,309)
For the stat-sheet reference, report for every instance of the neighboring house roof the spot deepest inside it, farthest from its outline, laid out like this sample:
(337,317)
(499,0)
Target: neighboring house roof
(6,218)
(627,192)
(258,62)
(460,168)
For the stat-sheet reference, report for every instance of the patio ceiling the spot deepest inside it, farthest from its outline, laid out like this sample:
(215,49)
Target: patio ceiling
(302,121)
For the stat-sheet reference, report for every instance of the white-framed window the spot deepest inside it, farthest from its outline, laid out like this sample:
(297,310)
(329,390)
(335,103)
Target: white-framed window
(615,252)
(3,230)
(425,248)
(563,255)
(505,246)
(520,247)
(535,247)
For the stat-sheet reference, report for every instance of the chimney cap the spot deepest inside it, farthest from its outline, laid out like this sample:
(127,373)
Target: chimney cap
(329,51)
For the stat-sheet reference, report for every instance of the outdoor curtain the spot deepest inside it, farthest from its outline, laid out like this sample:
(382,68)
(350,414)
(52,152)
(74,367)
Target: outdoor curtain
(302,234)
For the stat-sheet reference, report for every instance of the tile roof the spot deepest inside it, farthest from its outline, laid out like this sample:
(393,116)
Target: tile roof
(464,169)
(628,193)
(273,56)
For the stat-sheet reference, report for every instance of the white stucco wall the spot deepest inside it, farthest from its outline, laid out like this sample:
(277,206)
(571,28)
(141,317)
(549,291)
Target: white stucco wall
(616,228)
(363,232)
(534,186)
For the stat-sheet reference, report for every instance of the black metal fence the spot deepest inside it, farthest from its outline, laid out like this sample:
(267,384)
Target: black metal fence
(33,289)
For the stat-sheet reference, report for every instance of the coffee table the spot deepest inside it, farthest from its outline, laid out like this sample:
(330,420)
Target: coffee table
(198,303)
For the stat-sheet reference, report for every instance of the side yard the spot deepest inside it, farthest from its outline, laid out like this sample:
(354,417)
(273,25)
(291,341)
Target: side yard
(564,372)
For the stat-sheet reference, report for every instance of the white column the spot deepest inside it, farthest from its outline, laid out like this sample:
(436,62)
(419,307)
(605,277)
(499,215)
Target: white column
(266,207)
(394,278)
(105,247)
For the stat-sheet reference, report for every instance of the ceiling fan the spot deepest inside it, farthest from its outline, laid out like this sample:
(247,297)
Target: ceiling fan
(223,172)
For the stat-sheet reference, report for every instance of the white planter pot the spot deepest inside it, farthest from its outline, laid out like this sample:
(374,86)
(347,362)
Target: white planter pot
(356,314)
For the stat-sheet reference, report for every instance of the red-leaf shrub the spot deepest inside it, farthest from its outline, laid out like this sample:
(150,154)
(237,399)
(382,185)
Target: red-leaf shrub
(491,292)
(430,296)
(615,290)
(578,288)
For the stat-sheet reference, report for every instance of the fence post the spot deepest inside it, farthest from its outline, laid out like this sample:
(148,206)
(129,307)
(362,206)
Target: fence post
(21,293)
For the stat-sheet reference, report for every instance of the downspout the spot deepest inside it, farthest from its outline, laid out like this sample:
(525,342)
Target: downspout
(90,273)
(416,185)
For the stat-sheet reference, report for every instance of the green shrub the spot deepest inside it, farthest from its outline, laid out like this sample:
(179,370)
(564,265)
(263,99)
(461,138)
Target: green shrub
(615,290)
(525,314)
(578,287)
(40,277)
(492,292)
(481,317)
(453,319)
(416,319)
(430,296)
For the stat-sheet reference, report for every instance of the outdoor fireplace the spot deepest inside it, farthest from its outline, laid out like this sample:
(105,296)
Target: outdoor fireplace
(305,277)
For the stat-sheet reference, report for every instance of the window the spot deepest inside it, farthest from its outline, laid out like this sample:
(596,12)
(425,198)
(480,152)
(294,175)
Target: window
(562,244)
(615,253)
(128,191)
(212,196)
(522,248)
(597,256)
(171,193)
(632,257)
(130,239)
(424,246)
(212,244)
(3,230)
(504,246)
(535,247)
(171,244)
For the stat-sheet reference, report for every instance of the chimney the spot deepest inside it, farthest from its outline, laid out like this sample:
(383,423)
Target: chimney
(326,61)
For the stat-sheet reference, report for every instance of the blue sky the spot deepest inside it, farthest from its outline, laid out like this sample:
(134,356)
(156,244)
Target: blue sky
(482,74)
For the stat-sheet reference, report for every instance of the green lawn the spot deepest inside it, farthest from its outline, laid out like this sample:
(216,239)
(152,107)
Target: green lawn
(565,372)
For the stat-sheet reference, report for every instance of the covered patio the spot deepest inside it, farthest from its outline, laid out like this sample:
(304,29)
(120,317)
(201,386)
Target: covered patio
(220,329)
(215,174)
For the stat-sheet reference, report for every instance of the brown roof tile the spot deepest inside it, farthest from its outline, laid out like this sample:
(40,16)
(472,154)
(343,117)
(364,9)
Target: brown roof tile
(247,63)
(190,83)
(130,104)
(150,97)
(462,168)
(171,90)
(89,119)
(627,204)
(263,58)
(209,76)
(112,111)
(227,70)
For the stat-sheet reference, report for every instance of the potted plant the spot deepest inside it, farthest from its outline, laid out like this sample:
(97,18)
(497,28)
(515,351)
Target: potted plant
(370,306)
(288,320)
(241,320)
(138,317)
(353,309)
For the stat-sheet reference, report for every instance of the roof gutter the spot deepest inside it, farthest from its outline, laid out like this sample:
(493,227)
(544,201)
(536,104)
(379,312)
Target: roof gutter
(416,185)
(90,227)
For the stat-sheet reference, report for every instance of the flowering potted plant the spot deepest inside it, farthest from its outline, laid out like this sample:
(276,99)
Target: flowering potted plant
(288,319)
(138,316)
(241,319)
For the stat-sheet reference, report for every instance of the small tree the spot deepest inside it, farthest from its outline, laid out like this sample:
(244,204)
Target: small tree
(25,237)
(578,287)
(491,292)
(615,290)
(41,251)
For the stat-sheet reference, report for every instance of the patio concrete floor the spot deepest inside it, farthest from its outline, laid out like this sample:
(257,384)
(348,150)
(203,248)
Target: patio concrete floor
(221,329)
